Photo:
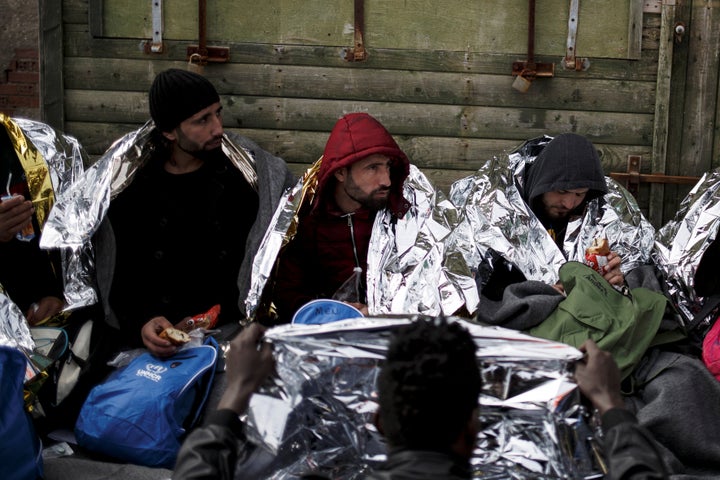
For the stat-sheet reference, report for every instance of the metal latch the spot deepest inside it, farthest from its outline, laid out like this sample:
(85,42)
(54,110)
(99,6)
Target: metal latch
(528,70)
(201,54)
(358,52)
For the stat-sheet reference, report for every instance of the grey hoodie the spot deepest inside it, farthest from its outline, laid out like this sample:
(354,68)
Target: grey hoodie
(568,162)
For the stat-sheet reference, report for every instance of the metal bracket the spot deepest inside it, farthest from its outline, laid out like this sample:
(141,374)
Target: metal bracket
(358,52)
(532,69)
(571,62)
(202,52)
(529,68)
(633,178)
(156,44)
(209,54)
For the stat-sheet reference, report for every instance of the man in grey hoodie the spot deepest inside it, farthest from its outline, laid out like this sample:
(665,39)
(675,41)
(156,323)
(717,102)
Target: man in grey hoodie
(534,210)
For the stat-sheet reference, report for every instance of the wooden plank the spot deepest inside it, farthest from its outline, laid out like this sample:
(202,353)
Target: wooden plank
(458,25)
(650,33)
(96,137)
(78,44)
(635,28)
(95,18)
(442,153)
(51,64)
(662,112)
(379,85)
(76,11)
(400,118)
(423,151)
(700,103)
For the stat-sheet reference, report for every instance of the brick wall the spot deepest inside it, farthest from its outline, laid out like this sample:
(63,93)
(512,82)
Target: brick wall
(20,85)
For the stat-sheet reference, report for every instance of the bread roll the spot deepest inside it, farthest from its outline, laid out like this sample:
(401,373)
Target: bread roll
(175,336)
(599,246)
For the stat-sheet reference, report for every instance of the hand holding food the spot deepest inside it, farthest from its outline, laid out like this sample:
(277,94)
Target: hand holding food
(175,336)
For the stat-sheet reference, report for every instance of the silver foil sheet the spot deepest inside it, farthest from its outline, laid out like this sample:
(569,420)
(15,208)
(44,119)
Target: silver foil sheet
(317,414)
(66,161)
(14,329)
(681,243)
(80,209)
(406,269)
(495,217)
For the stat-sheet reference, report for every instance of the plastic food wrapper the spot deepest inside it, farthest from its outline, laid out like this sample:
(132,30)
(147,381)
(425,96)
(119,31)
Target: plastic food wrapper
(496,220)
(681,243)
(317,414)
(406,271)
(596,262)
(206,320)
(80,209)
(51,162)
(596,256)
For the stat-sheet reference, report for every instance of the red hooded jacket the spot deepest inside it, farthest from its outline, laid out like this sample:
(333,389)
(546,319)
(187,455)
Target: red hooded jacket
(330,244)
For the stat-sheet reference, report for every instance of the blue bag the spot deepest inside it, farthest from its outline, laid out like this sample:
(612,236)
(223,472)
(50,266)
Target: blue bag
(141,413)
(20,447)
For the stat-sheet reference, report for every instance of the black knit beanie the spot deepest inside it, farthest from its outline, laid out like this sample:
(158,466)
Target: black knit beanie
(177,95)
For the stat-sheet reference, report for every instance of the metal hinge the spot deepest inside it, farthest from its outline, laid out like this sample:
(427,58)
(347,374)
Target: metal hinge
(633,178)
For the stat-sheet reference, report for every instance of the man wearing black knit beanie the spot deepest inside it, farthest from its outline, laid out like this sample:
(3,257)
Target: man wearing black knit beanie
(186,227)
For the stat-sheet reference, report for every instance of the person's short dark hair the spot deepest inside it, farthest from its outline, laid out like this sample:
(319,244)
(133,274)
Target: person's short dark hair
(429,385)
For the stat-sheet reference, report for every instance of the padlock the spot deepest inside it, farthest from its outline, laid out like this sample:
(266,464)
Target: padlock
(194,64)
(521,84)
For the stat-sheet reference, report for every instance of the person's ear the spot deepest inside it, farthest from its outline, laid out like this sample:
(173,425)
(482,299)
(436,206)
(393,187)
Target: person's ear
(341,174)
(170,135)
(377,421)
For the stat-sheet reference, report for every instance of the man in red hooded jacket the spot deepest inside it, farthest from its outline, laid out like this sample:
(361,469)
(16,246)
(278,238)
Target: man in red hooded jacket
(362,172)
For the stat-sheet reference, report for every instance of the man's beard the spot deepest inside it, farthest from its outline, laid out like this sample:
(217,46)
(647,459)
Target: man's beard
(195,149)
(558,215)
(369,201)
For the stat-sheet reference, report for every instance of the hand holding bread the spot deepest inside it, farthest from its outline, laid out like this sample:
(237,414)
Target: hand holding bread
(175,336)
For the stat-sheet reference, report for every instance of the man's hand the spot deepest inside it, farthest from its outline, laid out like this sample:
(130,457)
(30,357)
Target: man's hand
(248,363)
(613,274)
(15,214)
(44,308)
(598,377)
(150,337)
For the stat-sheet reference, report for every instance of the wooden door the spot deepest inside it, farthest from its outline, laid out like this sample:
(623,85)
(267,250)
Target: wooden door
(690,108)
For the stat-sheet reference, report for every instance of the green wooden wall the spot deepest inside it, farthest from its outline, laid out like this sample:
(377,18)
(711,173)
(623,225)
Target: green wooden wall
(438,74)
